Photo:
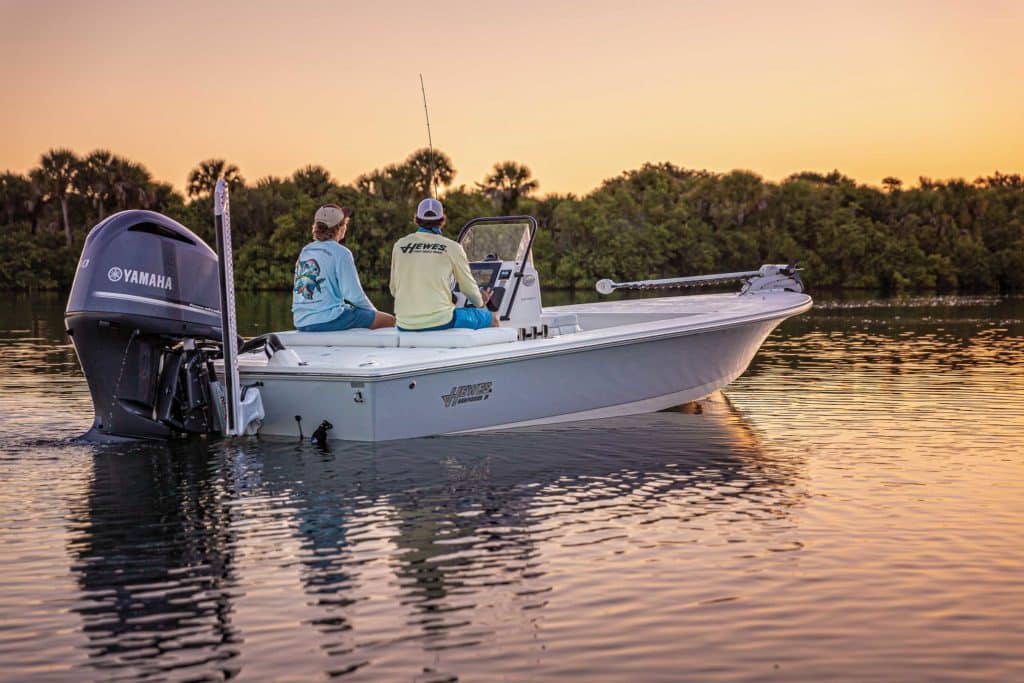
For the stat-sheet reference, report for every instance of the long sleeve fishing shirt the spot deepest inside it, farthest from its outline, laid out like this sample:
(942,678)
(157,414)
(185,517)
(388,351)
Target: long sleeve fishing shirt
(422,266)
(326,284)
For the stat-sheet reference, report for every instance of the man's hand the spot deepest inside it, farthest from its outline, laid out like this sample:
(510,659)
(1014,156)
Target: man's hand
(485,294)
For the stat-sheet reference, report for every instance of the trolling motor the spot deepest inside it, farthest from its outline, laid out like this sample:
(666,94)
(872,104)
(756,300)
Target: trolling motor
(778,277)
(144,315)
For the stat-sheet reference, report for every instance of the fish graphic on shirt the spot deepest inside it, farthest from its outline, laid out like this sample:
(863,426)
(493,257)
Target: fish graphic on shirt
(307,278)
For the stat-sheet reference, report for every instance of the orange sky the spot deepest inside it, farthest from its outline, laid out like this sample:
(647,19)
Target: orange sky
(579,91)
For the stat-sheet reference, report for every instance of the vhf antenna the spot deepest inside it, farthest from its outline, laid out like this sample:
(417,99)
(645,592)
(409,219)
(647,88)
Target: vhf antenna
(432,183)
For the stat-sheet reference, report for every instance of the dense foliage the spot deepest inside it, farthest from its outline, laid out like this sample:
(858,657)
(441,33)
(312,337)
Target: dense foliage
(657,221)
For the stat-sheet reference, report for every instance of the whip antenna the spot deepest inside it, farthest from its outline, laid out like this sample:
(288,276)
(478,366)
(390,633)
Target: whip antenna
(432,182)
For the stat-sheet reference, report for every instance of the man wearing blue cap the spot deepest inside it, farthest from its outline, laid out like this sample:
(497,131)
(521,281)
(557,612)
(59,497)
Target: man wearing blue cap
(422,266)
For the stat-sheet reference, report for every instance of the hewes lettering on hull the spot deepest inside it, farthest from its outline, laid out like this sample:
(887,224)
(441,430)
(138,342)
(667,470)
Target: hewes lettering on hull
(140,277)
(467,393)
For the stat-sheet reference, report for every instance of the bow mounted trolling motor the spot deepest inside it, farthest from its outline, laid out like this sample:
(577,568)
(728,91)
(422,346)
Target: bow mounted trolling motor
(144,318)
(771,277)
(774,277)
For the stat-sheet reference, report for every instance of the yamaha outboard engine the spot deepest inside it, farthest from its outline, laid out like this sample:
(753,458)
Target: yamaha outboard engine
(144,317)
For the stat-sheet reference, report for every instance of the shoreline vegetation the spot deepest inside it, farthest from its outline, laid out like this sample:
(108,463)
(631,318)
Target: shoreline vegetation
(660,220)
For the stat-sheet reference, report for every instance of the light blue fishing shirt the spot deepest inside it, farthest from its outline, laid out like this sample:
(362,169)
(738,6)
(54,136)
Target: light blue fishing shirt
(326,284)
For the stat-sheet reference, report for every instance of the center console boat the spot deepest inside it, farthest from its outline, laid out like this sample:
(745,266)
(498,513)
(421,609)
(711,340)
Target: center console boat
(144,317)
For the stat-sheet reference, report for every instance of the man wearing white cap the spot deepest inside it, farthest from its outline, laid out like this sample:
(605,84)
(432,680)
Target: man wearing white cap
(422,266)
(327,296)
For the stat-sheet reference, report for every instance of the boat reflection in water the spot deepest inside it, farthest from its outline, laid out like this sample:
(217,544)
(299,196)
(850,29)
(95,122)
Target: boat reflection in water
(434,556)
(154,553)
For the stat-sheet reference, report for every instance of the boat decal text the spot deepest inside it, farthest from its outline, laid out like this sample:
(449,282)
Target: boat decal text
(467,393)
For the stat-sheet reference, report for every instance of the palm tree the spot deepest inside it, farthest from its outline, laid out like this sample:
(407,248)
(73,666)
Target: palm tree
(94,179)
(203,178)
(163,197)
(892,184)
(36,198)
(315,181)
(1002,180)
(375,183)
(424,171)
(132,184)
(507,184)
(56,175)
(410,181)
(15,195)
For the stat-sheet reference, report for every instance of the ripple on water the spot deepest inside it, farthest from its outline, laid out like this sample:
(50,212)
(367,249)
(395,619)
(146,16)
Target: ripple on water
(851,511)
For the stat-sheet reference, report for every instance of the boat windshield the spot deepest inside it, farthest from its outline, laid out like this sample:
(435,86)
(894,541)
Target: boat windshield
(498,242)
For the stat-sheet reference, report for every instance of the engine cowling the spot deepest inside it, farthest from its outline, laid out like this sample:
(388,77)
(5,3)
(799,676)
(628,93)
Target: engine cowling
(144,318)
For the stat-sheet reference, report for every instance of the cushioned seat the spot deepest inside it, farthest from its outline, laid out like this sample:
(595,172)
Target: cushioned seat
(384,337)
(457,338)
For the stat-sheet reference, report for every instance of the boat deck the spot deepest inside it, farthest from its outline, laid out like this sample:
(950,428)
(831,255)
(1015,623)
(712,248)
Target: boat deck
(601,324)
(605,323)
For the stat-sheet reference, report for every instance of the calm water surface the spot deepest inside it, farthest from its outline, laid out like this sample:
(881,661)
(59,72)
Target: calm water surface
(850,509)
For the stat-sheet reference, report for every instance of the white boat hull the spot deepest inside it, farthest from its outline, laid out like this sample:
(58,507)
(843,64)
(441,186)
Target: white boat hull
(655,364)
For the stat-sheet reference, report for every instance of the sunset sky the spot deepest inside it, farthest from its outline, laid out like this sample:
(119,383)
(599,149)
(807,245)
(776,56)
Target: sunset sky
(578,91)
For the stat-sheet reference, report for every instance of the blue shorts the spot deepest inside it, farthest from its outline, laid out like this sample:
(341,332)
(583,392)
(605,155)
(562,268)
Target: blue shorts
(462,318)
(349,319)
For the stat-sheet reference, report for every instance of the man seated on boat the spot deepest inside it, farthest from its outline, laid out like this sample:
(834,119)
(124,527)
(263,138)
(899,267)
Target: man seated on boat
(422,266)
(327,296)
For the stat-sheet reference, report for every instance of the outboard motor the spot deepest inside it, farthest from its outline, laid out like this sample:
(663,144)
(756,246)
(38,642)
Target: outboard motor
(144,317)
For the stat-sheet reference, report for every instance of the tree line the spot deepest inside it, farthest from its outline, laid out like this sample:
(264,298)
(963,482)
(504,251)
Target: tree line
(656,221)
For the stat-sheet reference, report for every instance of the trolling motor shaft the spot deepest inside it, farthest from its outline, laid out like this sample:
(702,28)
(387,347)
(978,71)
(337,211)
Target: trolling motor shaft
(767,277)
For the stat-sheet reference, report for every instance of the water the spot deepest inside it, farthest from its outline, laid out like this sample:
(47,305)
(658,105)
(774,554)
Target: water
(852,509)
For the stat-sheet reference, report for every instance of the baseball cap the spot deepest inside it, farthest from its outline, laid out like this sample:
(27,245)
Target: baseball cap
(429,210)
(329,215)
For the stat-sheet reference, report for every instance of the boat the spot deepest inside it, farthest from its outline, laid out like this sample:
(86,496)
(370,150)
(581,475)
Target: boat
(150,301)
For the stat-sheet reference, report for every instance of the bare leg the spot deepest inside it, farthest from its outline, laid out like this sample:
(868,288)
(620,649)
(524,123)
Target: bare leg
(382,320)
(494,319)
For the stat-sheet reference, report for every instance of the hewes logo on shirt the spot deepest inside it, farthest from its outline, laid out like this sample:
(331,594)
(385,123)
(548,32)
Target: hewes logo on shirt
(140,277)
(423,247)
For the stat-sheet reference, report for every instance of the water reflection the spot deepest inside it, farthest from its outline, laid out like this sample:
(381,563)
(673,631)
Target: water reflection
(401,548)
(914,375)
(153,549)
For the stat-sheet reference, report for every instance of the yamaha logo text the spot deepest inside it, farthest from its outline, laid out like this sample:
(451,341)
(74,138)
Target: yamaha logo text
(140,277)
